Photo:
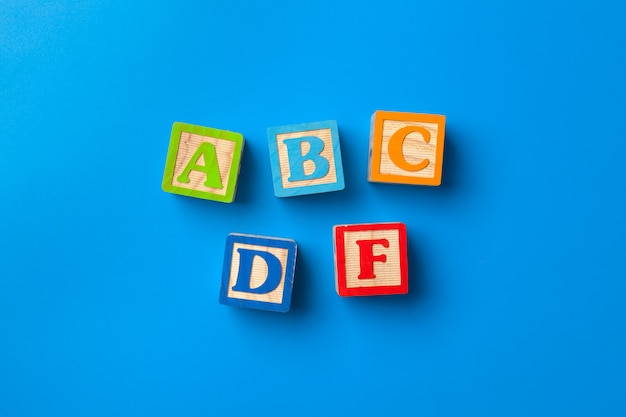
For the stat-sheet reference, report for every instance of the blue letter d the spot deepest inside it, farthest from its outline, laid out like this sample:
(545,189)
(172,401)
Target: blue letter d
(274,271)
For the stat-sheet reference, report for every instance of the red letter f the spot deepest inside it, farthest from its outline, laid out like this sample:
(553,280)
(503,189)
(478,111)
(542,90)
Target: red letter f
(367,258)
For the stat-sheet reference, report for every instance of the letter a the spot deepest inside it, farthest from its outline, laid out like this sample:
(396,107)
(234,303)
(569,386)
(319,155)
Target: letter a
(210,167)
(244,275)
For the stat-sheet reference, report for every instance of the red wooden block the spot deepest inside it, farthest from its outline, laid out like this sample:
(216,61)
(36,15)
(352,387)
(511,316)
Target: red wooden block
(371,259)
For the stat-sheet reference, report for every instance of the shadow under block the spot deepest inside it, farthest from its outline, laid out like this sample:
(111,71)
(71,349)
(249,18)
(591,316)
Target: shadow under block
(370,259)
(258,272)
(203,162)
(305,158)
(406,148)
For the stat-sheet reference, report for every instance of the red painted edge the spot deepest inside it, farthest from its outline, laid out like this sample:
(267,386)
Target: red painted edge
(343,291)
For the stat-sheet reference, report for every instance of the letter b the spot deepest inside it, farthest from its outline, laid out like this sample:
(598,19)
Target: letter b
(305,158)
(297,160)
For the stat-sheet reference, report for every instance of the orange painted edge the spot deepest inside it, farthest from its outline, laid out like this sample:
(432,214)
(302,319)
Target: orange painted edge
(376,133)
(376,139)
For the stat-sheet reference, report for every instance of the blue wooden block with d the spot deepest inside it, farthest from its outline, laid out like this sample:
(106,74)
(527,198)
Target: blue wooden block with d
(258,272)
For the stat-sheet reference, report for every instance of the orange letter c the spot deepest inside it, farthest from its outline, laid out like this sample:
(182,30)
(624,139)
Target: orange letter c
(395,148)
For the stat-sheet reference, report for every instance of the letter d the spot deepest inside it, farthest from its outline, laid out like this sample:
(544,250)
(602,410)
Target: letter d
(244,275)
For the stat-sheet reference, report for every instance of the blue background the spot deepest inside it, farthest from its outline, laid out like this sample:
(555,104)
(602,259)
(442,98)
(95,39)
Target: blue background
(109,286)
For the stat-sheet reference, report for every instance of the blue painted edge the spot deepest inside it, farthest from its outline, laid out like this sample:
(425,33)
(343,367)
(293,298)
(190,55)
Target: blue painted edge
(290,268)
(279,191)
(274,162)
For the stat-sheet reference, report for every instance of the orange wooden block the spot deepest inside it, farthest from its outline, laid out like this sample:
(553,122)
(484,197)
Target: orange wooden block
(406,148)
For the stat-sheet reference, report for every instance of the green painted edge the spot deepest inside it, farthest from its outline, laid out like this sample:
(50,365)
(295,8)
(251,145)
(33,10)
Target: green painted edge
(177,129)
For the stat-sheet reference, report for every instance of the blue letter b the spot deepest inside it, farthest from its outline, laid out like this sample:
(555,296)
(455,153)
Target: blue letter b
(296,159)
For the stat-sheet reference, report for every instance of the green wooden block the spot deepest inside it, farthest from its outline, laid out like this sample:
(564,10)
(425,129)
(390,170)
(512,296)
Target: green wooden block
(203,162)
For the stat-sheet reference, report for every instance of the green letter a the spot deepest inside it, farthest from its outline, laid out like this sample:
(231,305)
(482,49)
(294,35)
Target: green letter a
(210,167)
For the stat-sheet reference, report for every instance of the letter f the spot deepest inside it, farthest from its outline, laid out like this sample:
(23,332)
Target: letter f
(367,257)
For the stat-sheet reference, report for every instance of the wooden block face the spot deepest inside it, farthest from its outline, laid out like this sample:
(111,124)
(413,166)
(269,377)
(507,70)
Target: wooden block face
(406,148)
(305,158)
(370,259)
(258,272)
(203,162)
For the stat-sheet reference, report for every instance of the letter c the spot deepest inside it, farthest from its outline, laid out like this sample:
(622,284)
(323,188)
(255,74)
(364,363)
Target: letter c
(395,148)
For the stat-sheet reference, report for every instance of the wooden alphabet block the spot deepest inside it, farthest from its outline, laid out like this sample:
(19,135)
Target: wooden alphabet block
(305,158)
(406,148)
(258,272)
(371,259)
(203,162)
